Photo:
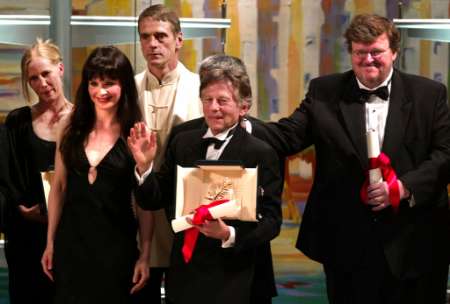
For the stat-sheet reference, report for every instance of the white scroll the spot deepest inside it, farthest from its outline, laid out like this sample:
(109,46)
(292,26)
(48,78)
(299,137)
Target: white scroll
(373,151)
(230,209)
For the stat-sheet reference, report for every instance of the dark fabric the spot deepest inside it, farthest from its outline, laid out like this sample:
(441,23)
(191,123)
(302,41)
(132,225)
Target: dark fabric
(151,293)
(23,252)
(95,246)
(42,153)
(4,177)
(219,275)
(337,229)
(375,284)
(25,239)
(25,183)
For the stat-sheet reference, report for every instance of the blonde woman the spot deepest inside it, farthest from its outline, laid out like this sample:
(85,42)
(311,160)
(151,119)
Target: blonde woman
(32,135)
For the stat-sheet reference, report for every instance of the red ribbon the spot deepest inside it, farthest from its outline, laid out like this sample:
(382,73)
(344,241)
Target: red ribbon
(190,236)
(384,163)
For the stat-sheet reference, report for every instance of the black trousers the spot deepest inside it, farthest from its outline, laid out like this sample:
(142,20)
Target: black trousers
(375,284)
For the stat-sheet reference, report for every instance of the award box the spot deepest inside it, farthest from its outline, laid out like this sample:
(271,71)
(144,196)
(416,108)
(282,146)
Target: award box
(214,180)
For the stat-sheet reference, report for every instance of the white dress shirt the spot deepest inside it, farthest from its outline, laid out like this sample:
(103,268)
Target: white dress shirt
(214,154)
(377,109)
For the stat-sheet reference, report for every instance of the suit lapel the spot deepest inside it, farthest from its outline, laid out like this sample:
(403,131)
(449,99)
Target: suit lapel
(232,150)
(196,150)
(353,113)
(398,114)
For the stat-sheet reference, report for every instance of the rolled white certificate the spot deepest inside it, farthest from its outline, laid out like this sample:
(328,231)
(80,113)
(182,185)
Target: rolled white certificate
(373,151)
(228,209)
(180,223)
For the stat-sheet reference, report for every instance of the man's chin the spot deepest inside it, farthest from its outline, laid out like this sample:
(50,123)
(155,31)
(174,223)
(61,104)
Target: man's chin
(370,81)
(156,62)
(215,127)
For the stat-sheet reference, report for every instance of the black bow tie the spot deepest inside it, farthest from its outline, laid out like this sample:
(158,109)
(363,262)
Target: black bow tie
(217,142)
(212,140)
(381,92)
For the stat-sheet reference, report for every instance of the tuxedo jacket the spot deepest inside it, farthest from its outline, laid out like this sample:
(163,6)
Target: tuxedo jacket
(337,227)
(215,274)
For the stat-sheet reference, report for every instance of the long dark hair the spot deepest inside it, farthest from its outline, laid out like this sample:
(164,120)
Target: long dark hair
(103,62)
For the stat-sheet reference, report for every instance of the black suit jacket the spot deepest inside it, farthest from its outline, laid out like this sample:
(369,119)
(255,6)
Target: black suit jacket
(337,227)
(214,274)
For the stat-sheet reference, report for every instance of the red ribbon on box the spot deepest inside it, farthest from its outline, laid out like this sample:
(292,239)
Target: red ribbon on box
(384,163)
(190,236)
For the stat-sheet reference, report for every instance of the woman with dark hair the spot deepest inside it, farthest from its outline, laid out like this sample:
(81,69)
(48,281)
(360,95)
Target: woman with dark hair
(91,252)
(31,142)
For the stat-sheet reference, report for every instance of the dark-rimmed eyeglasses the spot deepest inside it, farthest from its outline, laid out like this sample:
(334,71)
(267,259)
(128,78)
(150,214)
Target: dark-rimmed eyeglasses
(375,53)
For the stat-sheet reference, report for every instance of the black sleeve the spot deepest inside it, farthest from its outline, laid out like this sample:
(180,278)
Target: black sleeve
(5,196)
(268,206)
(429,176)
(291,134)
(18,181)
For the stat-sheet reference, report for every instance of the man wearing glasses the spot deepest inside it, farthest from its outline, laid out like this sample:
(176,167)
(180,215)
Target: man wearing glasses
(385,242)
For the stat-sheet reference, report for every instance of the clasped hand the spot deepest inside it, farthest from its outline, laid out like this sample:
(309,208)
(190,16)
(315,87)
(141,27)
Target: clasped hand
(142,144)
(378,196)
(32,213)
(216,229)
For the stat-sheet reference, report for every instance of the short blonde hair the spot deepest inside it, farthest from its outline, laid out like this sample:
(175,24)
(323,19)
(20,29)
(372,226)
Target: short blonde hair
(45,49)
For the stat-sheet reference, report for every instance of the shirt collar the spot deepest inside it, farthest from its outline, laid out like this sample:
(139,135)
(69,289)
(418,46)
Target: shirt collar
(222,135)
(387,82)
(169,78)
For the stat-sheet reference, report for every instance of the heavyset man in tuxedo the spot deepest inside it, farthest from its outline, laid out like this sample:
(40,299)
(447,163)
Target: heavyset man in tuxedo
(375,251)
(222,267)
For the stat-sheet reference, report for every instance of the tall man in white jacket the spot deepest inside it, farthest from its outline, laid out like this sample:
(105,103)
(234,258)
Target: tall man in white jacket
(168,94)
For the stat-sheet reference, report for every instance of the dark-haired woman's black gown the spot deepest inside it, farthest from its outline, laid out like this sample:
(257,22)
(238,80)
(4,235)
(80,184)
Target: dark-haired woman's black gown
(95,246)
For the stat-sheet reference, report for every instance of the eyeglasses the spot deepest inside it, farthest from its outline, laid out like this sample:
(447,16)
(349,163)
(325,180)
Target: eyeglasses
(375,53)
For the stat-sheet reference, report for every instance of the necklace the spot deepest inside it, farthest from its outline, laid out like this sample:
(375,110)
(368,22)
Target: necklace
(59,113)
